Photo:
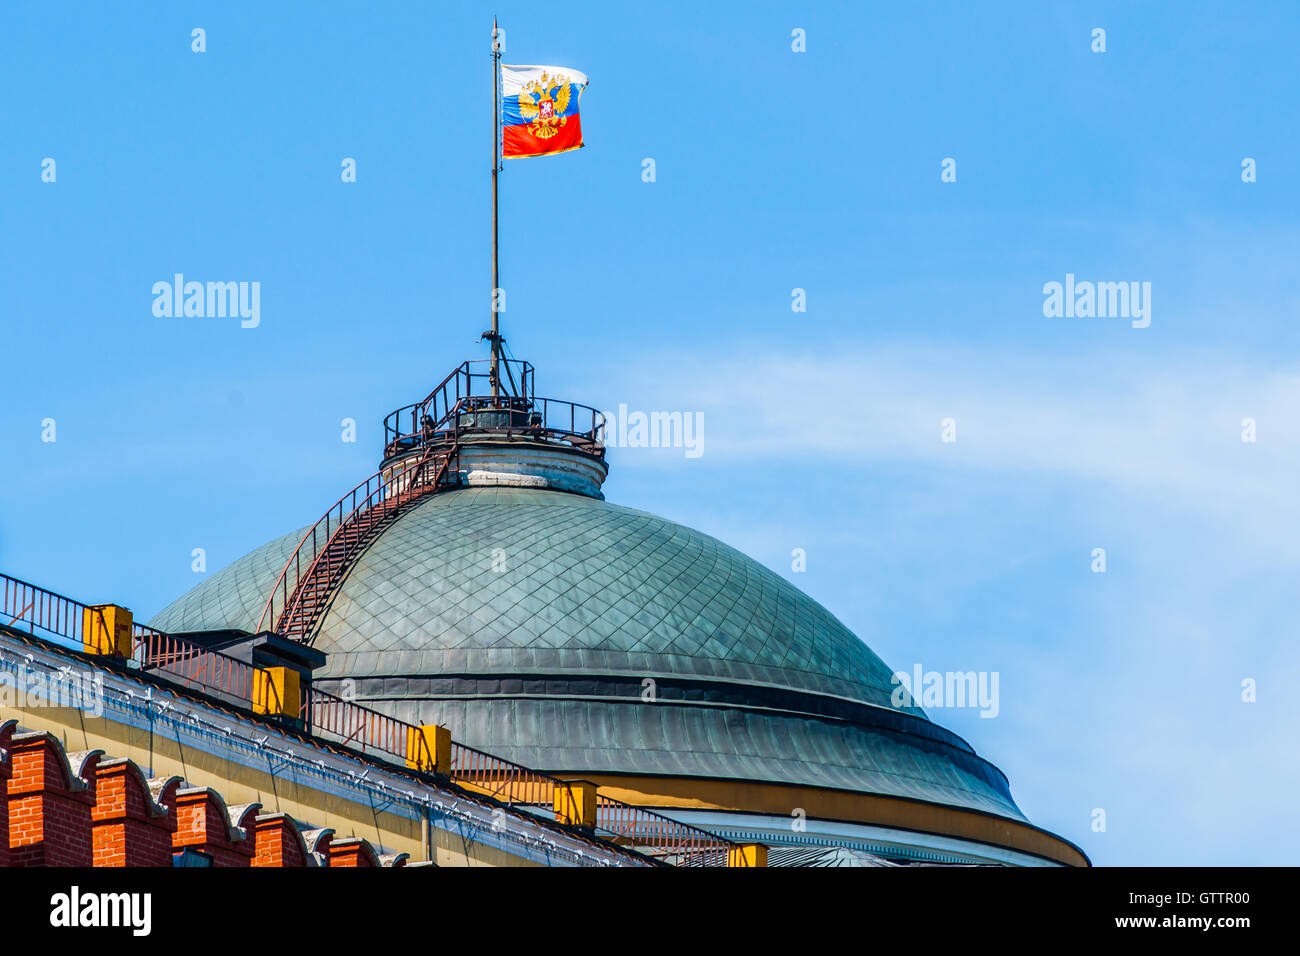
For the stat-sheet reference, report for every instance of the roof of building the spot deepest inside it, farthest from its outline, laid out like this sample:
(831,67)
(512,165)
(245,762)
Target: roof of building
(823,856)
(529,620)
(238,750)
(583,584)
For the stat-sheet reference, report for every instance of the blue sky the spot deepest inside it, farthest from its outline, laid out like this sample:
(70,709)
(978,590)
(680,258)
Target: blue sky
(775,170)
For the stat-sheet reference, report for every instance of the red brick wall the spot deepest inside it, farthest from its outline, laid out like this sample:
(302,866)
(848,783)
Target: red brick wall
(49,812)
(110,817)
(129,828)
(277,842)
(203,823)
(131,843)
(352,852)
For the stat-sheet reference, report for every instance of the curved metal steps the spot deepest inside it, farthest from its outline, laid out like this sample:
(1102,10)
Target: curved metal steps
(318,565)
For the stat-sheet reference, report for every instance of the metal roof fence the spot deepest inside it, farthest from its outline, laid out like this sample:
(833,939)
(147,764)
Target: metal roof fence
(192,666)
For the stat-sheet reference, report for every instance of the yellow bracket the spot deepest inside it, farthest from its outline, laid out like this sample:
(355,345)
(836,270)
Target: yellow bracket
(106,630)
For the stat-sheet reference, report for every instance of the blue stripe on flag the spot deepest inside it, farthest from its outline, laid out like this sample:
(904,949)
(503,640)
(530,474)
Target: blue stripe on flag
(511,116)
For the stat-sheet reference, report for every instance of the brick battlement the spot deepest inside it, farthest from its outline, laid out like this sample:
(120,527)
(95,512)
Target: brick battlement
(85,809)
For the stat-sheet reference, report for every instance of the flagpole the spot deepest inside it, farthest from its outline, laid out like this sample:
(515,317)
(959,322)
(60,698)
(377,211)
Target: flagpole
(496,162)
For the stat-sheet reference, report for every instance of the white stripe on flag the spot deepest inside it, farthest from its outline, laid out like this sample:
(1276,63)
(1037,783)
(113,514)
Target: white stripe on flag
(513,78)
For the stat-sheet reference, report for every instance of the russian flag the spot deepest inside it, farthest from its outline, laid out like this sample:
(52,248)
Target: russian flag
(539,110)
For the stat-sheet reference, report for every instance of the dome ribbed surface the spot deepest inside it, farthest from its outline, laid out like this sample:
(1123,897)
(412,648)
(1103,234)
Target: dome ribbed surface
(529,621)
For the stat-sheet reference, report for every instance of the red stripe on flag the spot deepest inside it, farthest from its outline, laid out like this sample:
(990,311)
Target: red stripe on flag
(519,140)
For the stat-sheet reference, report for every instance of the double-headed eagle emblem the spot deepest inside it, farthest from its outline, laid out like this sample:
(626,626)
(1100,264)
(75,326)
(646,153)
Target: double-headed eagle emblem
(542,100)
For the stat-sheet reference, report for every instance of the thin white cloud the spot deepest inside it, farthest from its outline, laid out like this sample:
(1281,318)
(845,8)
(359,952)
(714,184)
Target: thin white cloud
(1172,428)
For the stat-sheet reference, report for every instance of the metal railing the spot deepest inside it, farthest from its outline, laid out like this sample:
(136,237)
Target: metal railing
(658,835)
(192,665)
(437,406)
(500,779)
(644,830)
(463,405)
(361,728)
(42,610)
(379,496)
(182,661)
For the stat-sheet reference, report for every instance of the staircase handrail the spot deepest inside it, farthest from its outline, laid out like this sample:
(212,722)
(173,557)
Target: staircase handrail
(377,486)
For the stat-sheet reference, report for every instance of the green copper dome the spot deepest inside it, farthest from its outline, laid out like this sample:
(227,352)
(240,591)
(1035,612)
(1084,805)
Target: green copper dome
(573,635)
